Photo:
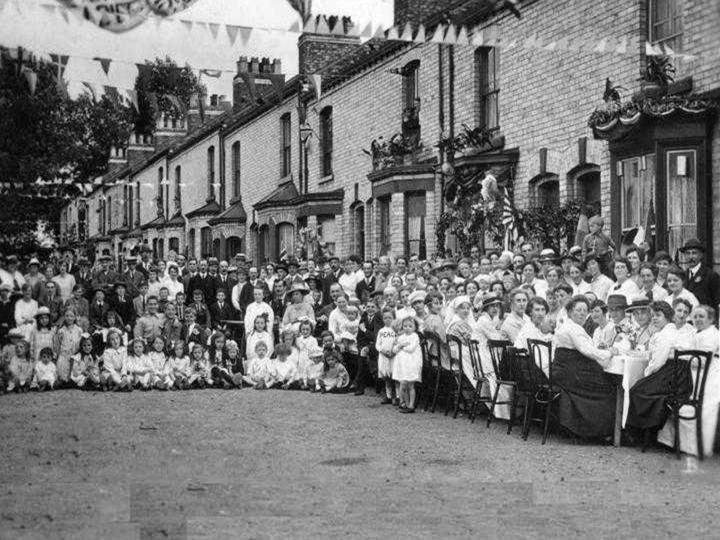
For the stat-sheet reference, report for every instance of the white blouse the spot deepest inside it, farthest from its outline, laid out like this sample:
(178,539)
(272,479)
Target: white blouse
(661,346)
(708,340)
(628,289)
(571,335)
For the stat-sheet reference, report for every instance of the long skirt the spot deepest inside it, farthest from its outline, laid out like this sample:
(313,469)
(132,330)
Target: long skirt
(649,395)
(587,394)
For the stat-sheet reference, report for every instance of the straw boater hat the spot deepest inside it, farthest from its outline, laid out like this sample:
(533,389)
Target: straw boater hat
(6,287)
(548,255)
(641,302)
(299,287)
(491,300)
(460,300)
(34,261)
(15,333)
(417,296)
(42,311)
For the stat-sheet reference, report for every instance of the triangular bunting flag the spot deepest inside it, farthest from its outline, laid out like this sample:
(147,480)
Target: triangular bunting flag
(322,26)
(367,31)
(188,24)
(214,27)
(601,46)
(420,36)
(91,89)
(462,37)
(104,63)
(439,35)
(294,27)
(232,32)
(407,34)
(621,47)
(393,34)
(31,78)
(64,13)
(667,50)
(352,30)
(550,46)
(310,26)
(379,32)
(133,97)
(316,82)
(478,39)
(451,35)
(245,32)
(650,50)
(278,82)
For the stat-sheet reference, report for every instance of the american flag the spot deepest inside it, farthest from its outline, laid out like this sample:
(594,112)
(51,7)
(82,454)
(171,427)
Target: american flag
(508,220)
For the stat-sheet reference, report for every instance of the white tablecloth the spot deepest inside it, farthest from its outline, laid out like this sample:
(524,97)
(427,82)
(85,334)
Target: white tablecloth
(632,368)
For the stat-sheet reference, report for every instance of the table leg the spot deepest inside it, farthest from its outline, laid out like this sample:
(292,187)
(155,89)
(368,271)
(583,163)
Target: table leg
(619,398)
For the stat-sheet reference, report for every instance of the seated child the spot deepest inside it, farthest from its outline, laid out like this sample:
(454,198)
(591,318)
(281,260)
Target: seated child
(85,366)
(45,371)
(162,372)
(256,335)
(305,342)
(315,369)
(139,366)
(114,375)
(220,370)
(8,351)
(199,368)
(335,377)
(21,368)
(349,330)
(235,364)
(180,366)
(260,372)
(284,368)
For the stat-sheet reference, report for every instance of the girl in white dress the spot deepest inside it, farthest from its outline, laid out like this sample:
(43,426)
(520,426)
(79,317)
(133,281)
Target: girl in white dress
(67,344)
(85,365)
(305,342)
(114,375)
(43,335)
(407,365)
(21,368)
(200,375)
(45,371)
(180,366)
(315,369)
(260,372)
(162,372)
(288,338)
(139,365)
(259,333)
(284,368)
(25,310)
(384,344)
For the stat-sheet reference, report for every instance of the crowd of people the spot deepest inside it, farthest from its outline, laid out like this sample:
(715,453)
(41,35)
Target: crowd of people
(184,323)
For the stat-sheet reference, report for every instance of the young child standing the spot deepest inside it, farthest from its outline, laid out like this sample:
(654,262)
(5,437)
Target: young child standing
(335,377)
(259,333)
(67,344)
(407,365)
(285,369)
(139,366)
(114,375)
(305,342)
(384,344)
(21,368)
(43,335)
(180,366)
(199,368)
(162,373)
(85,366)
(45,371)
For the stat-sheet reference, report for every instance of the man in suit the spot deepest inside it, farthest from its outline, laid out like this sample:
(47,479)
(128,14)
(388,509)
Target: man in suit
(98,309)
(82,277)
(191,270)
(204,282)
(145,262)
(132,277)
(140,301)
(104,278)
(366,285)
(122,304)
(701,280)
(51,300)
(223,280)
(242,293)
(221,311)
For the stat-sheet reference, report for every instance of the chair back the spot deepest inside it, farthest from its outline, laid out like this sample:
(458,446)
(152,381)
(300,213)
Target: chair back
(523,373)
(498,353)
(432,347)
(474,349)
(692,367)
(541,353)
(455,345)
(424,350)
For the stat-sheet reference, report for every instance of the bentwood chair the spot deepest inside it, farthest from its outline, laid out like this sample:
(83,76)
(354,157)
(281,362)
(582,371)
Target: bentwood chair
(455,346)
(423,388)
(544,394)
(498,355)
(481,378)
(435,369)
(690,368)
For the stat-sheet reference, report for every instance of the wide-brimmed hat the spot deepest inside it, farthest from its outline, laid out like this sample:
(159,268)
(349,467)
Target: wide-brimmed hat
(693,243)
(241,256)
(42,311)
(448,265)
(641,302)
(417,296)
(460,300)
(490,300)
(661,256)
(11,259)
(300,287)
(6,287)
(15,333)
(119,284)
(617,301)
(34,261)
(548,255)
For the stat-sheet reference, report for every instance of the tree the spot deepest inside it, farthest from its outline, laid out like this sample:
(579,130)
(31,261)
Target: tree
(155,82)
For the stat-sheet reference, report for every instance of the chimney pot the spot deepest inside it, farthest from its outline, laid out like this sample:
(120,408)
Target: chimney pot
(277,66)
(254,65)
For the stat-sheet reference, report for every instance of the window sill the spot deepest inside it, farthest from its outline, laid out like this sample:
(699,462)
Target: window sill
(285,179)
(326,179)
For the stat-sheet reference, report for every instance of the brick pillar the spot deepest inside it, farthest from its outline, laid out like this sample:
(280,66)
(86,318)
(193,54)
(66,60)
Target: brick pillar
(397,225)
(431,216)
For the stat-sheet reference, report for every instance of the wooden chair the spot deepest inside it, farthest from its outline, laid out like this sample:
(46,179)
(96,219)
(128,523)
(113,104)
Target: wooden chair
(544,393)
(480,377)
(692,366)
(455,346)
(435,370)
(498,355)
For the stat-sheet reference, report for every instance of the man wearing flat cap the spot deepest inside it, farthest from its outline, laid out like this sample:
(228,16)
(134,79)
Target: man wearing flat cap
(701,280)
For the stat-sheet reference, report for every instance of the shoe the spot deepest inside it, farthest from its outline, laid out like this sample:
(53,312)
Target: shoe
(402,409)
(359,392)
(352,388)
(396,402)
(386,401)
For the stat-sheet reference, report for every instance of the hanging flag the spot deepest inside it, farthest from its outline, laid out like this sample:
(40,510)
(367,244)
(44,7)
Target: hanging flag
(214,73)
(310,26)
(439,35)
(316,82)
(379,32)
(179,106)
(232,32)
(60,61)
(420,36)
(250,83)
(392,34)
(31,78)
(245,32)
(188,24)
(214,27)
(367,32)
(451,35)
(650,50)
(478,39)
(508,220)
(133,97)
(622,46)
(294,27)
(322,26)
(407,34)
(601,46)
(104,63)
(462,37)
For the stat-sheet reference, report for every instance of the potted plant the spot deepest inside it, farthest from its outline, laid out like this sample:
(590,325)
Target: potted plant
(659,73)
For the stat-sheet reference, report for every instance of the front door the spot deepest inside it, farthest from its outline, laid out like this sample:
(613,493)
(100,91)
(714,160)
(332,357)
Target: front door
(681,185)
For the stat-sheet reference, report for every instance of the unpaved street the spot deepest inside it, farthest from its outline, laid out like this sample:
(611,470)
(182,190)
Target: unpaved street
(249,464)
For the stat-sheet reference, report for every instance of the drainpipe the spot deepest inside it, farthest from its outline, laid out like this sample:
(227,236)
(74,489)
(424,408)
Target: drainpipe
(441,121)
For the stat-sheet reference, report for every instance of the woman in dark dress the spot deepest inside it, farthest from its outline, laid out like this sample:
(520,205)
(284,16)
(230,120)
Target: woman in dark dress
(648,396)
(587,394)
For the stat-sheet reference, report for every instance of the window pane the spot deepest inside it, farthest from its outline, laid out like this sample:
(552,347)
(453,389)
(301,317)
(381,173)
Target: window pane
(682,197)
(630,187)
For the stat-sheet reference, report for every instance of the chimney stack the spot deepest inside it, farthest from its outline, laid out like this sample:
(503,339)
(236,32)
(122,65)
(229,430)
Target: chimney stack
(260,71)
(118,158)
(139,148)
(169,129)
(316,50)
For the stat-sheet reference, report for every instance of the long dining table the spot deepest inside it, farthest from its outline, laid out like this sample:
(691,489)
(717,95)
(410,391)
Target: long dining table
(628,368)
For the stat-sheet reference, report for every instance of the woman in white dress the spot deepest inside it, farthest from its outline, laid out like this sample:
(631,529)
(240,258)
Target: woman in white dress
(25,310)
(707,339)
(623,283)
(676,286)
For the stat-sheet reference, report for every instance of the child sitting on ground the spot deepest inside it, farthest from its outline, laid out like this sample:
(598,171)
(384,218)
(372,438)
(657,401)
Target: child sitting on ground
(220,369)
(316,368)
(234,363)
(45,371)
(139,366)
(260,372)
(114,375)
(21,368)
(162,373)
(199,368)
(335,377)
(85,366)
(180,366)
(284,368)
